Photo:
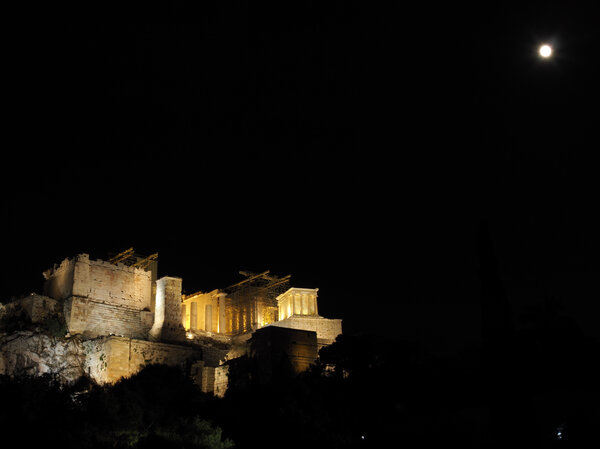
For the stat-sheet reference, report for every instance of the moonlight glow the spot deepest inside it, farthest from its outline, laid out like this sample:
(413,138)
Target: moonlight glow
(545,51)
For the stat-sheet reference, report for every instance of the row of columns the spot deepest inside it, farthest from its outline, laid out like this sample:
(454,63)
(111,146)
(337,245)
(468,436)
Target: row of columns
(217,318)
(210,311)
(297,303)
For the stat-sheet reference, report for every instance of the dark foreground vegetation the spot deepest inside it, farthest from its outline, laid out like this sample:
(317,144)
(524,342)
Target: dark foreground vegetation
(159,407)
(540,389)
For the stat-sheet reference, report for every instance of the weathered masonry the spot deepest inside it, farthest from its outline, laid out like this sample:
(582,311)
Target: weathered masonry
(215,313)
(126,318)
(101,298)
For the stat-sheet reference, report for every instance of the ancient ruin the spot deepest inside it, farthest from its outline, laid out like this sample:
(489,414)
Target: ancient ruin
(107,319)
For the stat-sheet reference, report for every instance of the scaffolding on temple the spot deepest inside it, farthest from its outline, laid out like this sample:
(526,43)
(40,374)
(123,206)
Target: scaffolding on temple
(130,258)
(253,301)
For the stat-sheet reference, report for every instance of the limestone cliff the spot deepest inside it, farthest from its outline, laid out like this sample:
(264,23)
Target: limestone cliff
(31,353)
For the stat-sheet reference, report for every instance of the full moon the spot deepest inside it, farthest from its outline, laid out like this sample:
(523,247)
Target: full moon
(545,51)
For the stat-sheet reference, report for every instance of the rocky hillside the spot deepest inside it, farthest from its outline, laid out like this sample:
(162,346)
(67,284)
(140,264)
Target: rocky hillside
(31,353)
(33,341)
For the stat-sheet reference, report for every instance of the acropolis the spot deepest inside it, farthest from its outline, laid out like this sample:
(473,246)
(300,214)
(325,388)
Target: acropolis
(119,317)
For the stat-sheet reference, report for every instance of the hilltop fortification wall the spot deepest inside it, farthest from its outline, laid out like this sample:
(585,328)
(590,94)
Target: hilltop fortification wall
(101,281)
(327,329)
(100,298)
(108,359)
(116,325)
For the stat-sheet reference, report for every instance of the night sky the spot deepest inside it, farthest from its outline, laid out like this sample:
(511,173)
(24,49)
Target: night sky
(354,147)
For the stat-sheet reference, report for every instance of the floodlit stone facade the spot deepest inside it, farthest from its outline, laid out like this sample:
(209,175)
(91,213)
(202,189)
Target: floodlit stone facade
(118,320)
(167,324)
(206,312)
(108,359)
(297,301)
(100,298)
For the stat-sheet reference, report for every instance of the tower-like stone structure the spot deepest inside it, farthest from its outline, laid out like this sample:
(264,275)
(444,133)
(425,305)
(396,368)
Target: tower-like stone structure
(101,298)
(167,311)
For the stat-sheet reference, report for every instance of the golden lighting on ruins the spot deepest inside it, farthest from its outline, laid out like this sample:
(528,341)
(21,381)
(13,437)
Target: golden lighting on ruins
(128,318)
(242,307)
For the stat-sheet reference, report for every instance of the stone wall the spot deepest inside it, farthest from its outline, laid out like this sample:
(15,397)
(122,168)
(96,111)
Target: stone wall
(36,307)
(39,307)
(327,329)
(101,281)
(101,298)
(207,381)
(221,380)
(215,380)
(118,284)
(215,348)
(92,319)
(211,379)
(59,279)
(104,359)
(108,359)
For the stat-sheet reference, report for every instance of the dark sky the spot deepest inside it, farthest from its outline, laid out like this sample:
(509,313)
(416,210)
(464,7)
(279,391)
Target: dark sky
(354,147)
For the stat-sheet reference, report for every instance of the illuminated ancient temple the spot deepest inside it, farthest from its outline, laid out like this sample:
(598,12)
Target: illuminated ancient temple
(257,301)
(127,318)
(297,301)
(239,308)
